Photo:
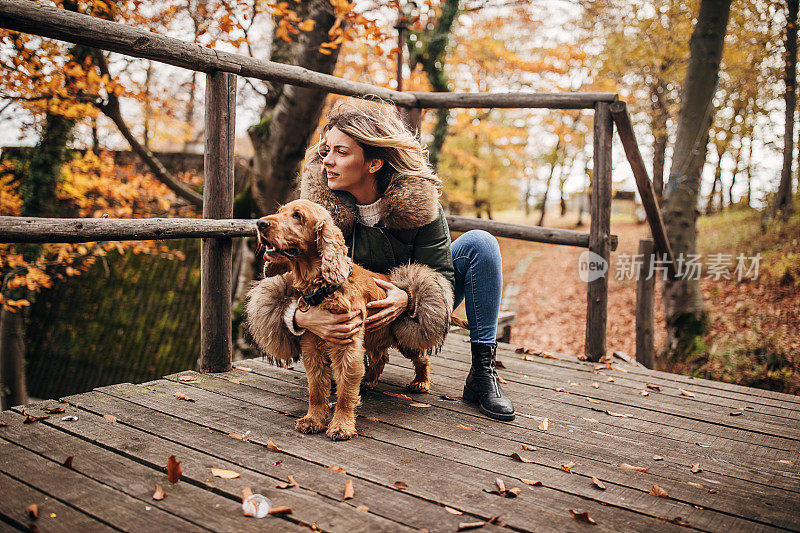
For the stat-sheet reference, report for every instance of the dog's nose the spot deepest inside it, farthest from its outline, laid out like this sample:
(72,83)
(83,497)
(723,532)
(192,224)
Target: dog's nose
(262,224)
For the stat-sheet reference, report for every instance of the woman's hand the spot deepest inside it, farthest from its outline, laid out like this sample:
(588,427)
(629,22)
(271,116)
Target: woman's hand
(391,307)
(334,328)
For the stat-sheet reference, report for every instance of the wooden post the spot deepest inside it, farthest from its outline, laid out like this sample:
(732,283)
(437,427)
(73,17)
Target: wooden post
(600,229)
(645,301)
(215,254)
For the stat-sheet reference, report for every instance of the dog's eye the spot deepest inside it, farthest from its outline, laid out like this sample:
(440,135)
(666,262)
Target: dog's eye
(298,216)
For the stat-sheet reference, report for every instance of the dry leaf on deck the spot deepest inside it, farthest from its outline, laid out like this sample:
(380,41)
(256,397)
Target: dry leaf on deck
(30,419)
(657,458)
(596,385)
(644,393)
(653,387)
(658,491)
(693,484)
(159,493)
(500,484)
(243,368)
(592,400)
(517,456)
(33,511)
(464,526)
(527,358)
(686,393)
(621,415)
(110,417)
(187,379)
(582,517)
(559,389)
(396,395)
(696,468)
(513,492)
(418,404)
(610,380)
(362,508)
(348,489)
(401,485)
(736,413)
(568,467)
(224,474)
(68,461)
(235,381)
(54,410)
(463,427)
(590,419)
(280,510)
(372,418)
(532,482)
(703,445)
(501,380)
(287,485)
(599,484)
(544,425)
(631,467)
(785,461)
(528,448)
(239,435)
(337,469)
(448,398)
(452,511)
(183,397)
(519,349)
(173,469)
(499,364)
(271,446)
(582,357)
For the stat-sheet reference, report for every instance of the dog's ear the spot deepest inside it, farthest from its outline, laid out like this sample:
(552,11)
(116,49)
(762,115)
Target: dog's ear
(333,251)
(275,269)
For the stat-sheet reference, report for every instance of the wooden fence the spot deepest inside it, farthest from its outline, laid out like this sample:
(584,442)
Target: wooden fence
(217,229)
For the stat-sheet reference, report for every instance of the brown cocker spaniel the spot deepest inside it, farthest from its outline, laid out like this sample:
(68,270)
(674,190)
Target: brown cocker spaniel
(303,237)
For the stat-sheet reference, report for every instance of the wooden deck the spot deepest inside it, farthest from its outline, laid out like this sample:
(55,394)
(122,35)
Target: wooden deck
(446,454)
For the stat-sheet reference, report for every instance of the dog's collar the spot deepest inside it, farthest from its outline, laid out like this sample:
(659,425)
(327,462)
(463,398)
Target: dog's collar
(306,301)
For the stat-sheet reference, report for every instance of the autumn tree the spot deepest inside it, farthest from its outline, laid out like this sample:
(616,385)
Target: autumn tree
(783,199)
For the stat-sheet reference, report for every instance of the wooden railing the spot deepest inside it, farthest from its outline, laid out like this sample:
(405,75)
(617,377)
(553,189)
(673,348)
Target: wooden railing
(216,228)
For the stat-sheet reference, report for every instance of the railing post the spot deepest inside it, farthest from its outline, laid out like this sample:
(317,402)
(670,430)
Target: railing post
(216,255)
(600,229)
(645,301)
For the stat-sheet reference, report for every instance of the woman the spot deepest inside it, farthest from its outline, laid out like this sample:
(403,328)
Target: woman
(372,174)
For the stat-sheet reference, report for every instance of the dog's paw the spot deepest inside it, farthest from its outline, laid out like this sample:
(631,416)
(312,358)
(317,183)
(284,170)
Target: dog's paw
(419,386)
(309,425)
(368,385)
(343,432)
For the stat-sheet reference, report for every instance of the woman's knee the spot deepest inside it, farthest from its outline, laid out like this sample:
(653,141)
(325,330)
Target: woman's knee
(481,242)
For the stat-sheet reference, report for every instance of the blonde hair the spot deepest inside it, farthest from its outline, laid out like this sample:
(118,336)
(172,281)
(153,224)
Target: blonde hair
(378,129)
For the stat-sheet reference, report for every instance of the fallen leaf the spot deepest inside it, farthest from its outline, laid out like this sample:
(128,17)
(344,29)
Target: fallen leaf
(657,458)
(112,418)
(54,410)
(372,418)
(658,491)
(452,511)
(696,468)
(513,492)
(362,508)
(559,389)
(582,517)
(68,461)
(159,493)
(786,461)
(582,357)
(417,404)
(224,474)
(286,485)
(499,364)
(463,427)
(33,511)
(531,482)
(528,448)
(516,456)
(396,395)
(243,368)
(464,526)
(712,491)
(686,393)
(599,484)
(599,367)
(610,380)
(592,400)
(271,446)
(619,369)
(500,484)
(173,469)
(544,425)
(653,387)
(631,467)
(401,485)
(680,522)
(246,493)
(568,467)
(501,380)
(348,489)
(693,484)
(448,398)
(644,393)
(526,358)
(280,510)
(30,419)
(239,435)
(186,379)
(337,469)
(703,445)
(519,349)
(621,415)
(590,419)
(235,381)
(183,397)
(736,413)
(596,385)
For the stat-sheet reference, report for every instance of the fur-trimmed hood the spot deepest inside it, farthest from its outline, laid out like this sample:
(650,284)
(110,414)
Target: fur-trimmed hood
(408,202)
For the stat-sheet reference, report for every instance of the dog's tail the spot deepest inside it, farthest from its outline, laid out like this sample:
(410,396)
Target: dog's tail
(460,322)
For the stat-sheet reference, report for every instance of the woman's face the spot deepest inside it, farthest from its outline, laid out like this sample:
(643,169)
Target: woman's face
(346,168)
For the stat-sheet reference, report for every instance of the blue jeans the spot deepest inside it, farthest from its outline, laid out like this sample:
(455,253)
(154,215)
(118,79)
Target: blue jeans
(479,282)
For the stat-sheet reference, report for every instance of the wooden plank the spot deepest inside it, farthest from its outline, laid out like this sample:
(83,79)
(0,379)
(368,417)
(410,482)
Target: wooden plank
(645,306)
(116,469)
(525,232)
(619,112)
(445,481)
(442,426)
(32,229)
(53,514)
(268,468)
(513,100)
(599,231)
(216,256)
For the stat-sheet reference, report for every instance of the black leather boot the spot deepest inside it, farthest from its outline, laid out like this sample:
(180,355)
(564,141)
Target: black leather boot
(483,386)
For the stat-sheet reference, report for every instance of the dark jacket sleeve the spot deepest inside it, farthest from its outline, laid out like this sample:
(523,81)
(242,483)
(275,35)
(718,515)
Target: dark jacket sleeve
(432,248)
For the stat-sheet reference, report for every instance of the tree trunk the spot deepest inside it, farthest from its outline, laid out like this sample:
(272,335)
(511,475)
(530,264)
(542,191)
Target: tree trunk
(783,200)
(13,390)
(736,160)
(546,191)
(659,128)
(685,312)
